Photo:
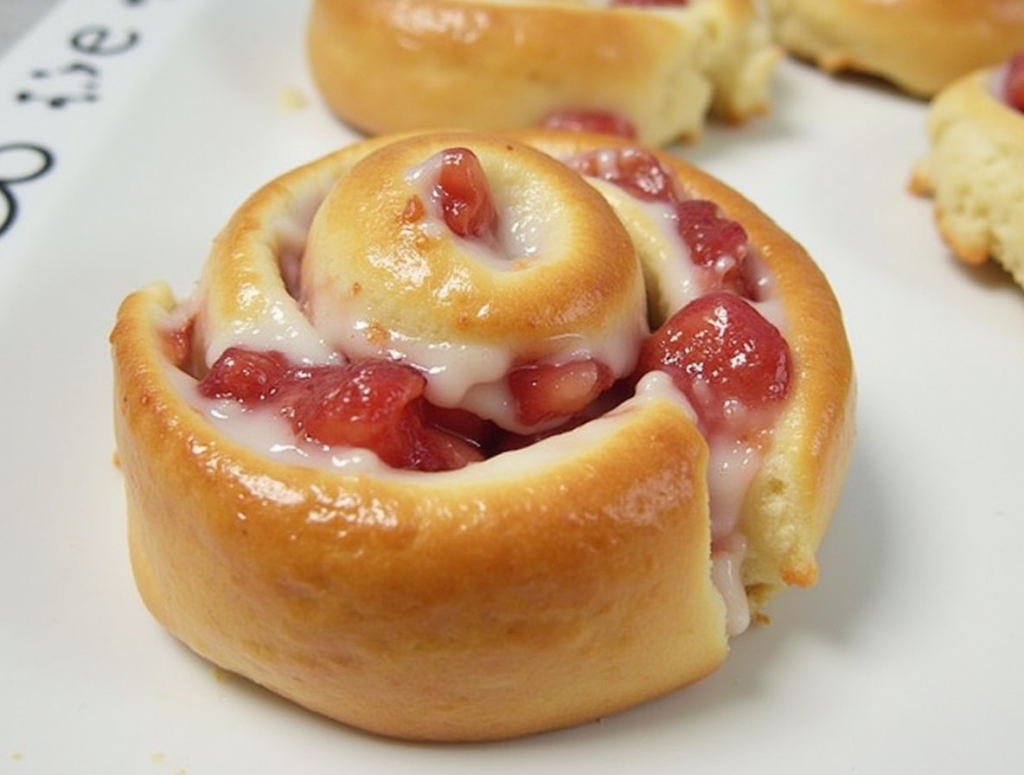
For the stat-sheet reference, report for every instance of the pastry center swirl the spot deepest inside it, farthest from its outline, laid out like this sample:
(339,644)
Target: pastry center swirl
(547,275)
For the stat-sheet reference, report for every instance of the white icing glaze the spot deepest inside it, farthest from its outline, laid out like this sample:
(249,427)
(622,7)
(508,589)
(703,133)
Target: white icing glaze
(726,573)
(467,374)
(675,279)
(271,435)
(732,467)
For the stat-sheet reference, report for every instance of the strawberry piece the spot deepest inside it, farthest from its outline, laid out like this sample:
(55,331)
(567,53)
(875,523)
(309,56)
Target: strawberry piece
(386,419)
(731,363)
(375,405)
(465,195)
(436,450)
(544,391)
(633,169)
(358,404)
(244,375)
(716,243)
(461,423)
(178,344)
(378,405)
(596,121)
(1013,86)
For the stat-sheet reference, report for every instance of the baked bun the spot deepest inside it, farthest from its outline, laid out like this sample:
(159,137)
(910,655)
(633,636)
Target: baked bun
(412,457)
(919,46)
(975,166)
(396,65)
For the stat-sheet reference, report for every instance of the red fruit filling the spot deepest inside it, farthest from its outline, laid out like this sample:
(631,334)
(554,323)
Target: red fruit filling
(465,196)
(632,169)
(375,405)
(596,121)
(379,405)
(731,363)
(544,392)
(727,359)
(246,375)
(178,344)
(717,244)
(1013,86)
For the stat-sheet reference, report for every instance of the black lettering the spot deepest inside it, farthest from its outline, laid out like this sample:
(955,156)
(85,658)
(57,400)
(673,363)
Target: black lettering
(39,162)
(100,41)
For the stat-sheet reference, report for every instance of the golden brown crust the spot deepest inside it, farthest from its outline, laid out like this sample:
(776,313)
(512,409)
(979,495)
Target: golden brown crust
(790,503)
(396,65)
(350,249)
(541,588)
(918,45)
(444,607)
(974,169)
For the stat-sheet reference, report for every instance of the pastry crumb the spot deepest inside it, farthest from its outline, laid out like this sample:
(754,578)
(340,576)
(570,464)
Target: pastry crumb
(290,98)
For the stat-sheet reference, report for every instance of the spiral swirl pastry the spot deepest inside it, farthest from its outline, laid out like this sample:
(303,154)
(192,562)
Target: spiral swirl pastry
(974,167)
(919,46)
(467,436)
(648,69)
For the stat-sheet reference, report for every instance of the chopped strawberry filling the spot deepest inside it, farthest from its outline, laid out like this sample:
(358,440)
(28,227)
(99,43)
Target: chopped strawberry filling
(635,170)
(375,405)
(544,392)
(718,244)
(245,375)
(731,363)
(715,243)
(599,122)
(465,195)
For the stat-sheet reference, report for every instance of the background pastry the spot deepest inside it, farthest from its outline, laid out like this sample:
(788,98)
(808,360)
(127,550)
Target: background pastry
(655,70)
(974,168)
(918,45)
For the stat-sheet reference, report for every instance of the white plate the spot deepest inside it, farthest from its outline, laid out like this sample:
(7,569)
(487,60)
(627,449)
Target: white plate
(905,658)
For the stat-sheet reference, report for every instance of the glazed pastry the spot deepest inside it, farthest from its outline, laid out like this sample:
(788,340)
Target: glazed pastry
(467,437)
(975,166)
(652,70)
(919,46)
